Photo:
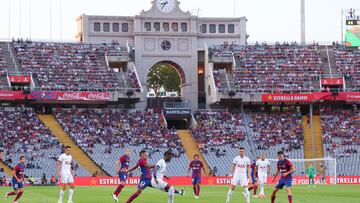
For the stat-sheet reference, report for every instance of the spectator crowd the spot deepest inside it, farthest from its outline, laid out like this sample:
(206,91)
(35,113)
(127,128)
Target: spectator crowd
(280,68)
(117,129)
(70,67)
(274,128)
(341,131)
(24,134)
(218,128)
(348,63)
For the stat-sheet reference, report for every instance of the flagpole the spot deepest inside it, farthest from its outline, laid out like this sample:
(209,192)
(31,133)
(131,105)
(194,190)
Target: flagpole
(234,8)
(61,21)
(9,26)
(30,19)
(20,18)
(50,20)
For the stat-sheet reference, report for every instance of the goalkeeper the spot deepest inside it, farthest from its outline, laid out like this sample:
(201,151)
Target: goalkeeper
(310,172)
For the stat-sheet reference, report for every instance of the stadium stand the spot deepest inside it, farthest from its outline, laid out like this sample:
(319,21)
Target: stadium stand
(3,64)
(275,131)
(276,128)
(219,136)
(341,138)
(133,80)
(277,68)
(25,134)
(105,132)
(70,67)
(348,63)
(115,49)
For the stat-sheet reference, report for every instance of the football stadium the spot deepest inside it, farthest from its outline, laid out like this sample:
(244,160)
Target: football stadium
(155,101)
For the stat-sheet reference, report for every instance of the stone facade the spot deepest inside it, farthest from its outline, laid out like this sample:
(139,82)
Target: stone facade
(164,33)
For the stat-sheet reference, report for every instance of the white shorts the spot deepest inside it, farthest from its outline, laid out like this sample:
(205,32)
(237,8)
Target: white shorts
(67,178)
(160,185)
(262,178)
(240,180)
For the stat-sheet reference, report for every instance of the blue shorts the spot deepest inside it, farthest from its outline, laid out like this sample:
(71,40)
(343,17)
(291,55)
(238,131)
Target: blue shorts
(122,177)
(196,180)
(17,185)
(284,182)
(253,180)
(144,183)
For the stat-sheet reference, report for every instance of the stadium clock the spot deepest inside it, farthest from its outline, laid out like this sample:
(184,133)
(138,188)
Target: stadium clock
(165,45)
(165,6)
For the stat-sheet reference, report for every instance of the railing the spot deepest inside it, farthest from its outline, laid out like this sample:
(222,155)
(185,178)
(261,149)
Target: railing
(18,74)
(212,80)
(106,109)
(123,78)
(21,88)
(8,81)
(137,78)
(13,58)
(165,121)
(107,62)
(331,76)
(177,105)
(267,91)
(212,110)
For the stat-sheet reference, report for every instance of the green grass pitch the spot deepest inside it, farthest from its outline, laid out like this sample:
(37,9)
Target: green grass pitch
(209,194)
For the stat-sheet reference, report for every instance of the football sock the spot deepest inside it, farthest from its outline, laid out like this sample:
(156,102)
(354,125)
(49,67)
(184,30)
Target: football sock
(290,198)
(134,196)
(71,192)
(118,190)
(171,195)
(198,190)
(11,193)
(61,195)
(273,199)
(230,193)
(18,196)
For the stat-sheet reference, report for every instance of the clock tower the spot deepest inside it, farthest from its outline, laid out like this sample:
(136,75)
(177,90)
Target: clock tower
(165,33)
(166,6)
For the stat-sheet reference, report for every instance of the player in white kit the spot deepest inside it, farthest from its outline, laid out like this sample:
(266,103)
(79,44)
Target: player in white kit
(65,174)
(262,168)
(158,175)
(241,175)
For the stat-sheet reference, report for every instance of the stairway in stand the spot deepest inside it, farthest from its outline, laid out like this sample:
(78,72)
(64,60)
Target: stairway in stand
(7,169)
(308,141)
(191,147)
(78,154)
(308,146)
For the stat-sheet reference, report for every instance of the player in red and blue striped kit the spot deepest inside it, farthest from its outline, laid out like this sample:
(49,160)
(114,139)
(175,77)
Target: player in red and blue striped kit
(122,166)
(18,180)
(254,175)
(286,168)
(196,165)
(145,178)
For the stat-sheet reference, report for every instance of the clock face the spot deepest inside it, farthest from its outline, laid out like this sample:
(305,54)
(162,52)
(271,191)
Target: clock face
(165,45)
(165,6)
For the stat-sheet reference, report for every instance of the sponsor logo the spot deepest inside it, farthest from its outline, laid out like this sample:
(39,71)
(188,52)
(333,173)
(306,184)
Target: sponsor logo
(84,96)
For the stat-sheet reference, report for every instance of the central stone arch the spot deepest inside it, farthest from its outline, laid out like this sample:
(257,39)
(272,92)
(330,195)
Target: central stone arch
(185,66)
(176,67)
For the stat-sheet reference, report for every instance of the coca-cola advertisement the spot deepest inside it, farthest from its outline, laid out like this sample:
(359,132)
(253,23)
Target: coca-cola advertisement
(71,96)
(83,96)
